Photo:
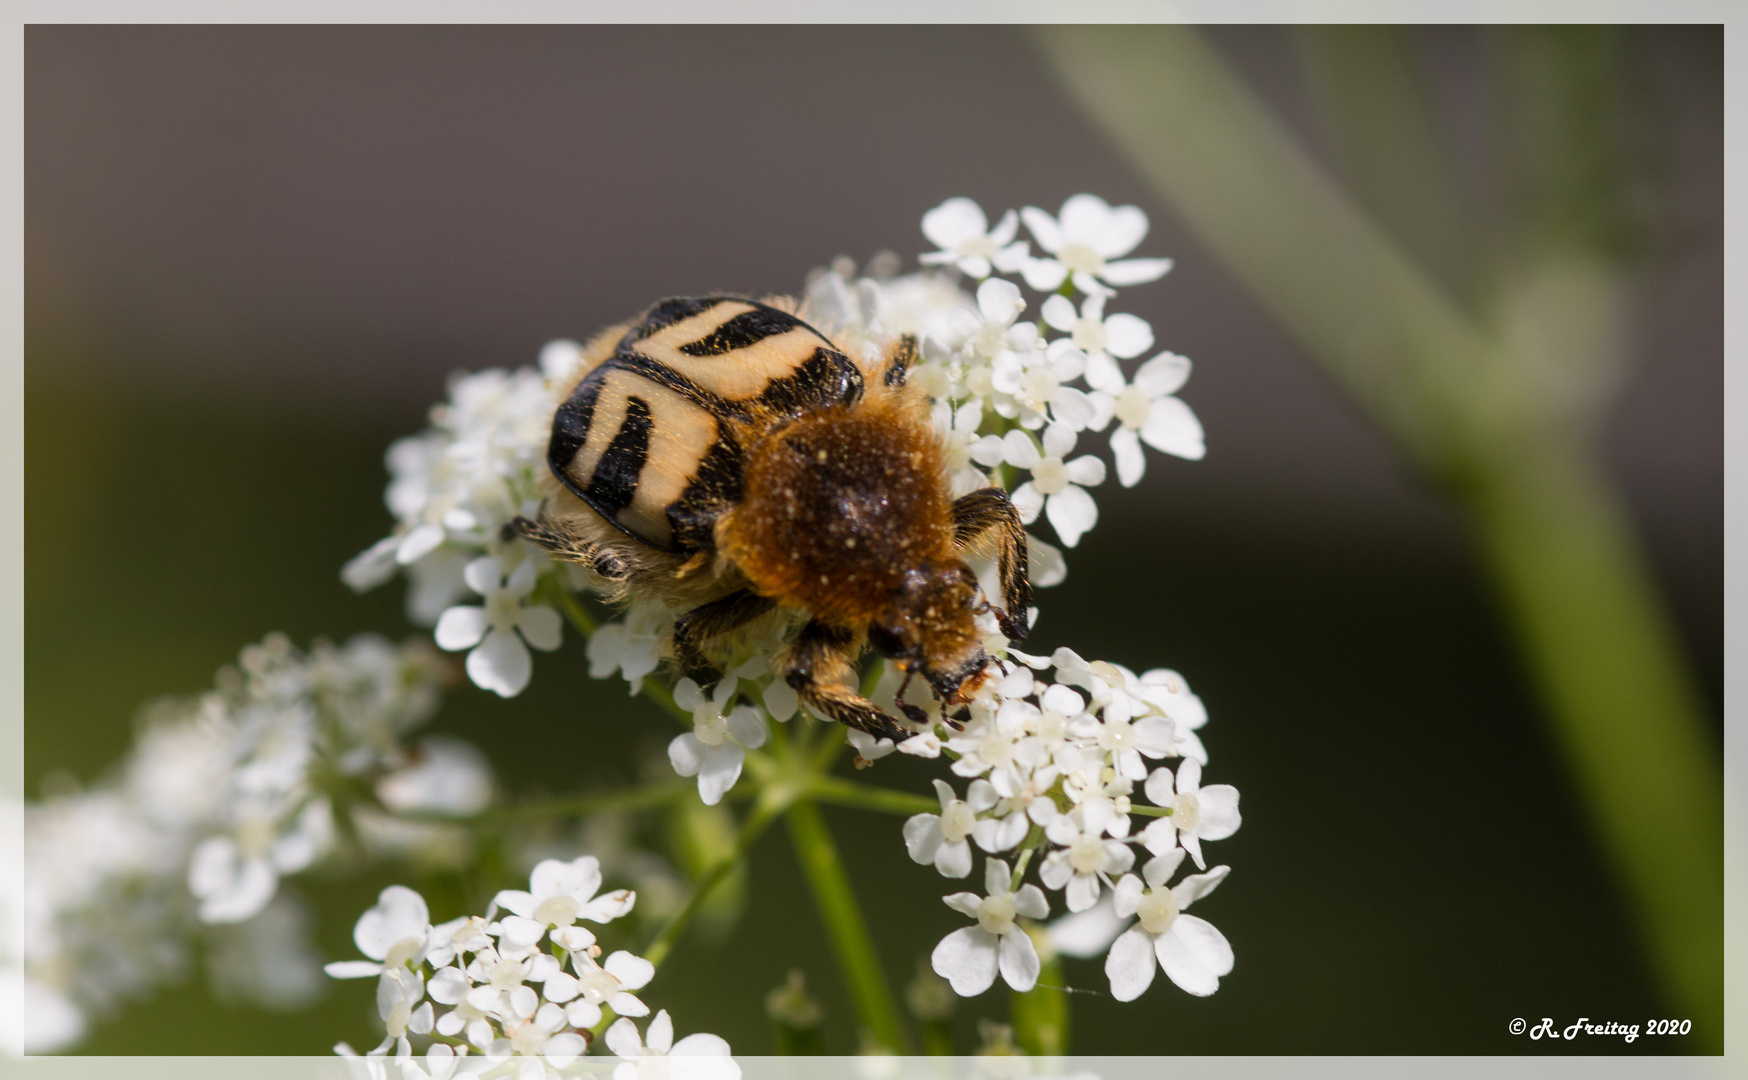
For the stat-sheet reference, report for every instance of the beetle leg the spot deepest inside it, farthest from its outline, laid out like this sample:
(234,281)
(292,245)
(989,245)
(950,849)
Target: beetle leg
(710,620)
(974,517)
(817,665)
(606,564)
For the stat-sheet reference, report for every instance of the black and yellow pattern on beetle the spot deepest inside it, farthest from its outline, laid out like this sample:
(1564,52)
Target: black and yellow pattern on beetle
(727,460)
(643,439)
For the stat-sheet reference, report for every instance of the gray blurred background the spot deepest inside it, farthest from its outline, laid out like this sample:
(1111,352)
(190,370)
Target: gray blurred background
(254,254)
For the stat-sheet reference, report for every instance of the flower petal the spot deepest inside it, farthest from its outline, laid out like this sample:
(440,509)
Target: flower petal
(661,1032)
(747,727)
(1044,562)
(623,1040)
(1031,902)
(1172,428)
(719,771)
(1135,271)
(1219,811)
(953,222)
(1196,886)
(461,628)
(1018,959)
(1194,955)
(1128,336)
(1086,470)
(966,958)
(500,664)
(633,971)
(999,301)
(922,838)
(484,575)
(1131,462)
(1130,965)
(1058,311)
(541,627)
(1045,231)
(953,860)
(1072,513)
(686,754)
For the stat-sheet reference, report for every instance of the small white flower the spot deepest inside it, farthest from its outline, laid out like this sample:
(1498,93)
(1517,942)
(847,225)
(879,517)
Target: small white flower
(1125,741)
(1193,953)
(393,933)
(944,838)
(499,661)
(991,331)
(1083,855)
(1031,387)
(715,748)
(959,228)
(969,958)
(1089,233)
(630,645)
(1147,412)
(1103,339)
(1167,690)
(234,876)
(1057,487)
(653,1060)
(608,983)
(559,894)
(1197,813)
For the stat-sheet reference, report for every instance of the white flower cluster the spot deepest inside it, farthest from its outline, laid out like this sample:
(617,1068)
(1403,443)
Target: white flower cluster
(1053,770)
(524,982)
(452,490)
(1004,393)
(221,796)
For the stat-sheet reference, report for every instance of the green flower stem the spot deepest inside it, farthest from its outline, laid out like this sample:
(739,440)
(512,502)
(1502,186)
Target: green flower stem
(1465,407)
(839,792)
(1149,811)
(772,802)
(844,923)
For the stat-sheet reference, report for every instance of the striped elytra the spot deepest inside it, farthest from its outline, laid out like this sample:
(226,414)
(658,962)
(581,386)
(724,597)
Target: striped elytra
(647,438)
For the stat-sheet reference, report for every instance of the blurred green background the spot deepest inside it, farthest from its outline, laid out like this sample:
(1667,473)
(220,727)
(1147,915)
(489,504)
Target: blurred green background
(254,254)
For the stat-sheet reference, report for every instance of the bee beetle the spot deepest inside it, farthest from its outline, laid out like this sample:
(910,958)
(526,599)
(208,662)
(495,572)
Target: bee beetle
(724,456)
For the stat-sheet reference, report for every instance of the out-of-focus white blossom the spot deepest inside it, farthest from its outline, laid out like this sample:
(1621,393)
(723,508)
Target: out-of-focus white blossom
(959,228)
(1082,243)
(223,796)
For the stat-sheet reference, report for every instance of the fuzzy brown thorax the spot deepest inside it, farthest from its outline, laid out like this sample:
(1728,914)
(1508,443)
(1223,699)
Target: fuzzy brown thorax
(837,505)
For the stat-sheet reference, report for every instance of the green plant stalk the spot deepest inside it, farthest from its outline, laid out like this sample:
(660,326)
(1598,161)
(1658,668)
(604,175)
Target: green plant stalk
(855,951)
(840,792)
(758,818)
(1040,1015)
(1551,532)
